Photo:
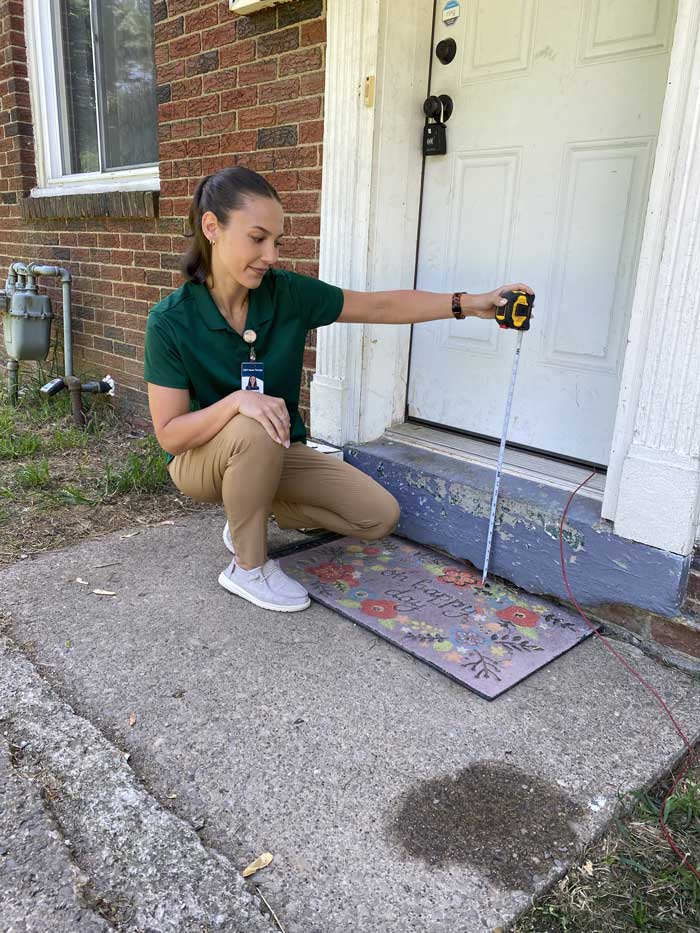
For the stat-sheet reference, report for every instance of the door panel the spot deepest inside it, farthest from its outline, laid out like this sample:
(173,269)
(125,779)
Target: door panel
(557,105)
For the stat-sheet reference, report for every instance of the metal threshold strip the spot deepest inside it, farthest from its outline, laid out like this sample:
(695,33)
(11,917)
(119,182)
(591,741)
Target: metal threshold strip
(538,468)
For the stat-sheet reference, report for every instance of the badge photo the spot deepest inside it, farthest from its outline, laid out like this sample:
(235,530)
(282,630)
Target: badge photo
(253,377)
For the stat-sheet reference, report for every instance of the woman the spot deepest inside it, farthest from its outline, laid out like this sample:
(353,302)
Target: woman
(236,314)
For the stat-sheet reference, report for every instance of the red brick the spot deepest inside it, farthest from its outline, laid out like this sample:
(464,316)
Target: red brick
(301,156)
(297,62)
(308,268)
(257,72)
(238,142)
(170,72)
(310,180)
(191,87)
(238,53)
(300,247)
(238,98)
(313,33)
(202,19)
(301,203)
(282,40)
(221,35)
(182,6)
(284,181)
(208,145)
(174,150)
(279,90)
(221,123)
(220,80)
(693,590)
(680,637)
(185,46)
(311,132)
(294,111)
(255,117)
(188,168)
(201,106)
(175,188)
(169,29)
(312,84)
(306,226)
(186,129)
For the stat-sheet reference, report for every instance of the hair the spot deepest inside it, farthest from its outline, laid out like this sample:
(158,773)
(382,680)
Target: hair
(220,193)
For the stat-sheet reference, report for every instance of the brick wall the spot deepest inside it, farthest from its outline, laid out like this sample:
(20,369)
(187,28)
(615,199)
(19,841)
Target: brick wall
(232,90)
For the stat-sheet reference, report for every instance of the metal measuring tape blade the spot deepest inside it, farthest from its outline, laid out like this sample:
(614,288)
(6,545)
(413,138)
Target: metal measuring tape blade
(521,324)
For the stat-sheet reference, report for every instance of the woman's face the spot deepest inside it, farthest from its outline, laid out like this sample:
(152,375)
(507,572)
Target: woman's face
(248,243)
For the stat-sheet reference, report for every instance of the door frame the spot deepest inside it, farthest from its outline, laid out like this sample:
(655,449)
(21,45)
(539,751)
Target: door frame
(375,87)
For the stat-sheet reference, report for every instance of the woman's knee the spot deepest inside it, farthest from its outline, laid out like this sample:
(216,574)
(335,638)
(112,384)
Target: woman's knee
(386,518)
(243,434)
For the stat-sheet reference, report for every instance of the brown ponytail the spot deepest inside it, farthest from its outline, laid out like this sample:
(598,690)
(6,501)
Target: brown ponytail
(221,193)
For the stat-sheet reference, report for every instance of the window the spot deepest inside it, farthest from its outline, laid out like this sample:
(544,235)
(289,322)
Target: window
(93,92)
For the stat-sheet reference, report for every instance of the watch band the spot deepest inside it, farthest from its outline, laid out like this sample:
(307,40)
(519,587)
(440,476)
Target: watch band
(457,306)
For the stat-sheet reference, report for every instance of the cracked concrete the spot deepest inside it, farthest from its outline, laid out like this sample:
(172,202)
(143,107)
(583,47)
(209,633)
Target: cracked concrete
(304,736)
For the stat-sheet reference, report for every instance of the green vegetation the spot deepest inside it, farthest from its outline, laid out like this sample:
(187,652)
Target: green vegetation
(631,880)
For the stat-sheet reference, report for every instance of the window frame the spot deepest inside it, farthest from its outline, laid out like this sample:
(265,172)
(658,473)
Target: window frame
(43,58)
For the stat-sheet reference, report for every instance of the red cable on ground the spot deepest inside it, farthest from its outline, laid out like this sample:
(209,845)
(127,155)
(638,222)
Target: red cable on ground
(683,856)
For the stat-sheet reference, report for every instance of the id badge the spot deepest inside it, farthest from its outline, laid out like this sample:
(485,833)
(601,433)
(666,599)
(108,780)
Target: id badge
(253,377)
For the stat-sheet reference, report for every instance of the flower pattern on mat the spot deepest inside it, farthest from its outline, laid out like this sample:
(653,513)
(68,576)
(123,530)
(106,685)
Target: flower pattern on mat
(333,573)
(379,608)
(458,577)
(437,610)
(519,616)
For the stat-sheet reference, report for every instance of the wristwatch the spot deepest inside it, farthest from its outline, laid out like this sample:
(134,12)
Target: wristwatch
(457,305)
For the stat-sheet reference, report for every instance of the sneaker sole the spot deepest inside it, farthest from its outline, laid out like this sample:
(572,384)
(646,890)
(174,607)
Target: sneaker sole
(239,591)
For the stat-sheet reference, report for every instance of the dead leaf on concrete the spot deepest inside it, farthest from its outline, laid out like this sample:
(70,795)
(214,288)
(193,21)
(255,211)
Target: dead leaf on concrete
(104,593)
(132,719)
(130,535)
(261,862)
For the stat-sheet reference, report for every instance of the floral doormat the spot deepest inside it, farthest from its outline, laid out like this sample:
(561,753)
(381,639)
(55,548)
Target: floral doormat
(487,638)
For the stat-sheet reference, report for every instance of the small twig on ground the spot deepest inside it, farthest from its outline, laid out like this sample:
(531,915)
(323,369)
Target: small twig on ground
(272,913)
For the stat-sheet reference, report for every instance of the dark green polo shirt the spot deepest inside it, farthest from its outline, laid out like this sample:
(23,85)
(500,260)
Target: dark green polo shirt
(189,344)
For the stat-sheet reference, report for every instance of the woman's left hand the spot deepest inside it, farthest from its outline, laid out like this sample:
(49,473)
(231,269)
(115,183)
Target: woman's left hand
(485,306)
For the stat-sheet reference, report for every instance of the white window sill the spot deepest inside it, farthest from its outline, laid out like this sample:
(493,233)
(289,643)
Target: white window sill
(99,184)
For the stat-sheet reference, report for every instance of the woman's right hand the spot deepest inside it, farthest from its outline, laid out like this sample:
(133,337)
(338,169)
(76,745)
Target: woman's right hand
(269,411)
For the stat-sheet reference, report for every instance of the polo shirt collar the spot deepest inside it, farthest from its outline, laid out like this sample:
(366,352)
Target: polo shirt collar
(260,309)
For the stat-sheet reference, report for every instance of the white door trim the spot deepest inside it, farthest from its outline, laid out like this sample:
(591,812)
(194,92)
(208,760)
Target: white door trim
(369,224)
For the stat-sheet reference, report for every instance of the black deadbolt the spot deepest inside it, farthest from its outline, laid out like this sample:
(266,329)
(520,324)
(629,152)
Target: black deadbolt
(446,50)
(432,107)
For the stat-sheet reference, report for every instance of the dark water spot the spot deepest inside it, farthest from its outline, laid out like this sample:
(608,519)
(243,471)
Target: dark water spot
(504,822)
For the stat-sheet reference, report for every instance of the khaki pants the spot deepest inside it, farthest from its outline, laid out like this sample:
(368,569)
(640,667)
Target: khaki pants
(253,476)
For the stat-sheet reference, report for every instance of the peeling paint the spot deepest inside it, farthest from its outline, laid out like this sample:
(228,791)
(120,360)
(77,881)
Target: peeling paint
(450,510)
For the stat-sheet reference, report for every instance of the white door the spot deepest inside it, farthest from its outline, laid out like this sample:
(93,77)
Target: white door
(557,105)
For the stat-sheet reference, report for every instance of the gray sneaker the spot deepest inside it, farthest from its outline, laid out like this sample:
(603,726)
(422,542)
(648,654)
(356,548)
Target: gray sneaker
(267,586)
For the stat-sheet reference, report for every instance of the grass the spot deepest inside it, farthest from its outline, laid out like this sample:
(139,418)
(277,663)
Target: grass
(60,483)
(631,880)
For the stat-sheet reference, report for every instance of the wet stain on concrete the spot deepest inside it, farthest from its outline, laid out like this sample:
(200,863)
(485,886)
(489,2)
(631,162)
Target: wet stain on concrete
(504,822)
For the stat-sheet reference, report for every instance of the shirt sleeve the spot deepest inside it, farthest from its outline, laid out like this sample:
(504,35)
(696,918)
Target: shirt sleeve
(322,303)
(162,364)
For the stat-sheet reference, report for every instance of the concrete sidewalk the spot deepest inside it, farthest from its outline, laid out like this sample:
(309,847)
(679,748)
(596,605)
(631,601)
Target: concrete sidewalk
(391,798)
